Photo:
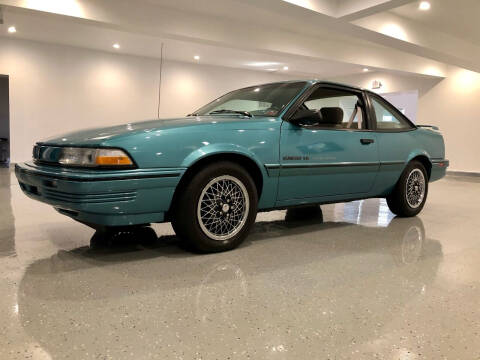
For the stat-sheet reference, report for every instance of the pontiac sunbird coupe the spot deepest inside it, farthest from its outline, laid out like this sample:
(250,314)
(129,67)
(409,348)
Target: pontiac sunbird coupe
(264,147)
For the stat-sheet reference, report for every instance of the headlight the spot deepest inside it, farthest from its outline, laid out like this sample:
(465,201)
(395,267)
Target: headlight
(94,157)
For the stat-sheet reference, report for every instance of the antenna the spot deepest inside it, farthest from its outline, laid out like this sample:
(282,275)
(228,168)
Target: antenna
(160,81)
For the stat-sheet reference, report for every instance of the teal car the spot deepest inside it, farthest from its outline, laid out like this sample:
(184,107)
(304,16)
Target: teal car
(265,147)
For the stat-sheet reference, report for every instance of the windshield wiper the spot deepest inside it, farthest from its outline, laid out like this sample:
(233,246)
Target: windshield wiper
(225,111)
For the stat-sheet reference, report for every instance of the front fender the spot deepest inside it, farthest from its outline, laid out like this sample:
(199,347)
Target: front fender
(214,149)
(269,190)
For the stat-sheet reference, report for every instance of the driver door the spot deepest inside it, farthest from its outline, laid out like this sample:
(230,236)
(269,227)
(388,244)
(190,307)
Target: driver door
(330,154)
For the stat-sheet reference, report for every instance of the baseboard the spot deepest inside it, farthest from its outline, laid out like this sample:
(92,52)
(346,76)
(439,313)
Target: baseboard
(10,166)
(464,173)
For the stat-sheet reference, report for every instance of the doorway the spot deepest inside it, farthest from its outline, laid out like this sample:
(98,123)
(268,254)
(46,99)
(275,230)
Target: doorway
(4,122)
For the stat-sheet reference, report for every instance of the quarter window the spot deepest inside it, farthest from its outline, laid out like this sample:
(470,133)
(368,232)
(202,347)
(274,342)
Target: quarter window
(386,119)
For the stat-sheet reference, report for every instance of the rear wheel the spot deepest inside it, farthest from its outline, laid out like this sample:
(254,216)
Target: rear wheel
(410,193)
(217,208)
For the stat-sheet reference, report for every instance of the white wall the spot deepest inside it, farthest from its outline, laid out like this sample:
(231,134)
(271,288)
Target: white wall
(56,89)
(452,104)
(405,100)
(186,87)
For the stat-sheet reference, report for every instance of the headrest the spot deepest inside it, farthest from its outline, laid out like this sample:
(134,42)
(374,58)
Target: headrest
(331,115)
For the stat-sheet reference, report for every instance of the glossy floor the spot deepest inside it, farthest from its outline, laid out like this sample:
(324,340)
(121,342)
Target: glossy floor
(354,283)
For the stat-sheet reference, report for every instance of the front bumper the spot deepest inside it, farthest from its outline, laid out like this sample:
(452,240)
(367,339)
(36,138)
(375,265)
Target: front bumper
(102,197)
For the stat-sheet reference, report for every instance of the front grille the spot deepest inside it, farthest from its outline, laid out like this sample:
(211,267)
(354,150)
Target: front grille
(36,152)
(47,154)
(88,198)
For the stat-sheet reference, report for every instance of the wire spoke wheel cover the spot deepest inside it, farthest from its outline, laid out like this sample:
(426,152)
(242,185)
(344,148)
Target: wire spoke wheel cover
(415,188)
(223,207)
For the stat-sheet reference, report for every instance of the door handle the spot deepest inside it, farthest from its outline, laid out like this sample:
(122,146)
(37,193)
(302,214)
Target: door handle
(367,141)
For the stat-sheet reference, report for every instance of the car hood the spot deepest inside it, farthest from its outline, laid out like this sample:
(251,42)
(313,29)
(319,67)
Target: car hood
(99,136)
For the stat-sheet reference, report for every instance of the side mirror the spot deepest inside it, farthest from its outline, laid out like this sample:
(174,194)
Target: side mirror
(305,117)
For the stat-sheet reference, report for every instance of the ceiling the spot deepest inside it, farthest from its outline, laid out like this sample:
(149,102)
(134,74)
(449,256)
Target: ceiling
(314,38)
(63,30)
(459,18)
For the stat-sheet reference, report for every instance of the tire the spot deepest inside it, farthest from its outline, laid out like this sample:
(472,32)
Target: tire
(409,202)
(146,235)
(207,216)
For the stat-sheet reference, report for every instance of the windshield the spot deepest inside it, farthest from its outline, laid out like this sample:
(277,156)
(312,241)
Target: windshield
(262,100)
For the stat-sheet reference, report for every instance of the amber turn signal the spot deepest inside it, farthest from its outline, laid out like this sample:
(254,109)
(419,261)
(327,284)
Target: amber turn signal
(112,157)
(113,160)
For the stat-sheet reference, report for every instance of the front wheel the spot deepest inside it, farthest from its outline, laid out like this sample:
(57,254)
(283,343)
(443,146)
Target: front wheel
(410,193)
(217,208)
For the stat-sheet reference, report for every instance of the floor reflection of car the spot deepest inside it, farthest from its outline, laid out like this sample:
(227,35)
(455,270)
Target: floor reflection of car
(334,277)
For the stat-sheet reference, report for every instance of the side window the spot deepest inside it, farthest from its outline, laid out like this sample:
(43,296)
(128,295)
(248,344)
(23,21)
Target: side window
(386,120)
(332,109)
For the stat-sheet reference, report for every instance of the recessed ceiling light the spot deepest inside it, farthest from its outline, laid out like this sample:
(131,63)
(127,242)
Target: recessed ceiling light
(424,5)
(365,69)
(395,31)
(116,46)
(285,68)
(196,57)
(12,29)
(262,63)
